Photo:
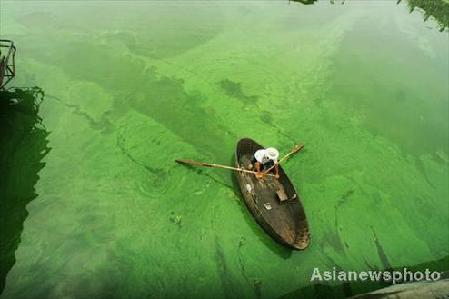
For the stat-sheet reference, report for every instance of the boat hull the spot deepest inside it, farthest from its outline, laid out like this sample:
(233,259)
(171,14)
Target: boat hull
(284,221)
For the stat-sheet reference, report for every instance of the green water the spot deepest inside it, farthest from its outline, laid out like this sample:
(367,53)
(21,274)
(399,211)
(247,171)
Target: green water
(131,86)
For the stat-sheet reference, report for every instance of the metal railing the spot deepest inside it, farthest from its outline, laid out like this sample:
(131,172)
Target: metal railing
(7,62)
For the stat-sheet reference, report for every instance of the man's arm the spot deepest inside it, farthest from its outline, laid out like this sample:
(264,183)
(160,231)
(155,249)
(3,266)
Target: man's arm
(276,169)
(259,173)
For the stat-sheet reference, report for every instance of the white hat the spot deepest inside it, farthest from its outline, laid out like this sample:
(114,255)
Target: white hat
(272,153)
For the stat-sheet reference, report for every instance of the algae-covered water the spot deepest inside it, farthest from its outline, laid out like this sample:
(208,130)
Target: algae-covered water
(131,86)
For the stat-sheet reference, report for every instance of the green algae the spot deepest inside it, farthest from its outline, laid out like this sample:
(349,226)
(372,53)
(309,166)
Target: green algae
(131,86)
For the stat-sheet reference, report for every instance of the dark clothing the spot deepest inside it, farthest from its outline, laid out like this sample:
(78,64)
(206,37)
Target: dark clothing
(264,166)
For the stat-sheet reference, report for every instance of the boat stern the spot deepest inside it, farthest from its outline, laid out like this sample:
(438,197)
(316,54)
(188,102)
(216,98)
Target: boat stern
(302,240)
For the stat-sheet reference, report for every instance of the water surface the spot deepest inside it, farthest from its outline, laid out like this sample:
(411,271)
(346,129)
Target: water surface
(131,86)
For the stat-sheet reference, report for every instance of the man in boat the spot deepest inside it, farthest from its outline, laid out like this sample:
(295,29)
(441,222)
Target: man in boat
(265,159)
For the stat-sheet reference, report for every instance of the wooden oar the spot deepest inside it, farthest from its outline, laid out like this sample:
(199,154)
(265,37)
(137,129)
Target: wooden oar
(295,149)
(196,163)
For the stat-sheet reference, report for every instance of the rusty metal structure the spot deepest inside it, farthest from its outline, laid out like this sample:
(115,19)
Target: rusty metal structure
(7,62)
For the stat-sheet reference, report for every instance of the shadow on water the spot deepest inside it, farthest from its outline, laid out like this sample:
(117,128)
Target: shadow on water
(349,289)
(271,244)
(306,2)
(23,144)
(439,10)
(309,2)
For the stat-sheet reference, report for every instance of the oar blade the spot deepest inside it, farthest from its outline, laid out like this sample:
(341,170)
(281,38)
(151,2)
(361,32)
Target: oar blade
(191,162)
(187,162)
(297,148)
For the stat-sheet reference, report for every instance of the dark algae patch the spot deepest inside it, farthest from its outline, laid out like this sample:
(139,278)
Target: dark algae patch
(234,89)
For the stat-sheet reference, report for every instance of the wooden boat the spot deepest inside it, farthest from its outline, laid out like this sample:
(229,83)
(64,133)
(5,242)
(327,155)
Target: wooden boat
(273,202)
